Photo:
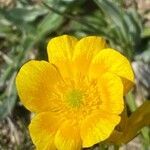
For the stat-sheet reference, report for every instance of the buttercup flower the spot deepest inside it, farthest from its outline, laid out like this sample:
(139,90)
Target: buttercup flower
(77,96)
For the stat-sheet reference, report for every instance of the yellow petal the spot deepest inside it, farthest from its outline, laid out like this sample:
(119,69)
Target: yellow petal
(68,137)
(109,60)
(60,51)
(35,82)
(97,128)
(111,93)
(85,49)
(42,129)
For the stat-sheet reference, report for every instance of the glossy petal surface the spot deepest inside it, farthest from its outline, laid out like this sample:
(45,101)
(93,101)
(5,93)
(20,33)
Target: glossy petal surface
(109,60)
(111,93)
(60,51)
(35,83)
(85,49)
(43,128)
(68,137)
(97,127)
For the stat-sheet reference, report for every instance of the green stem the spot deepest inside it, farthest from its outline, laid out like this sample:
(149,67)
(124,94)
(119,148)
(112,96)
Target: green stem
(131,101)
(116,147)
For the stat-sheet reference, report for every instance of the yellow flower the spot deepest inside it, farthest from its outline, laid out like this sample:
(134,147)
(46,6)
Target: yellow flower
(77,96)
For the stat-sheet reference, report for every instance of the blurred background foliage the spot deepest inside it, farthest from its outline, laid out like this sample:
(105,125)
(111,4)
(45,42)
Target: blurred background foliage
(27,25)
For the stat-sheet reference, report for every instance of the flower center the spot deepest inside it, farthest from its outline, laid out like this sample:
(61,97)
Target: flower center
(74,98)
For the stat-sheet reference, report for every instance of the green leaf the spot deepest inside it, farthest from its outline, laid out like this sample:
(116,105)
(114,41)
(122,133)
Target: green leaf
(22,14)
(115,14)
(50,23)
(146,32)
(7,106)
(132,20)
(9,99)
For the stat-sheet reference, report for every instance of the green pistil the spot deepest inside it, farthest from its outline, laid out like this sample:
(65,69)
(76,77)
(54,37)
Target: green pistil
(74,98)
